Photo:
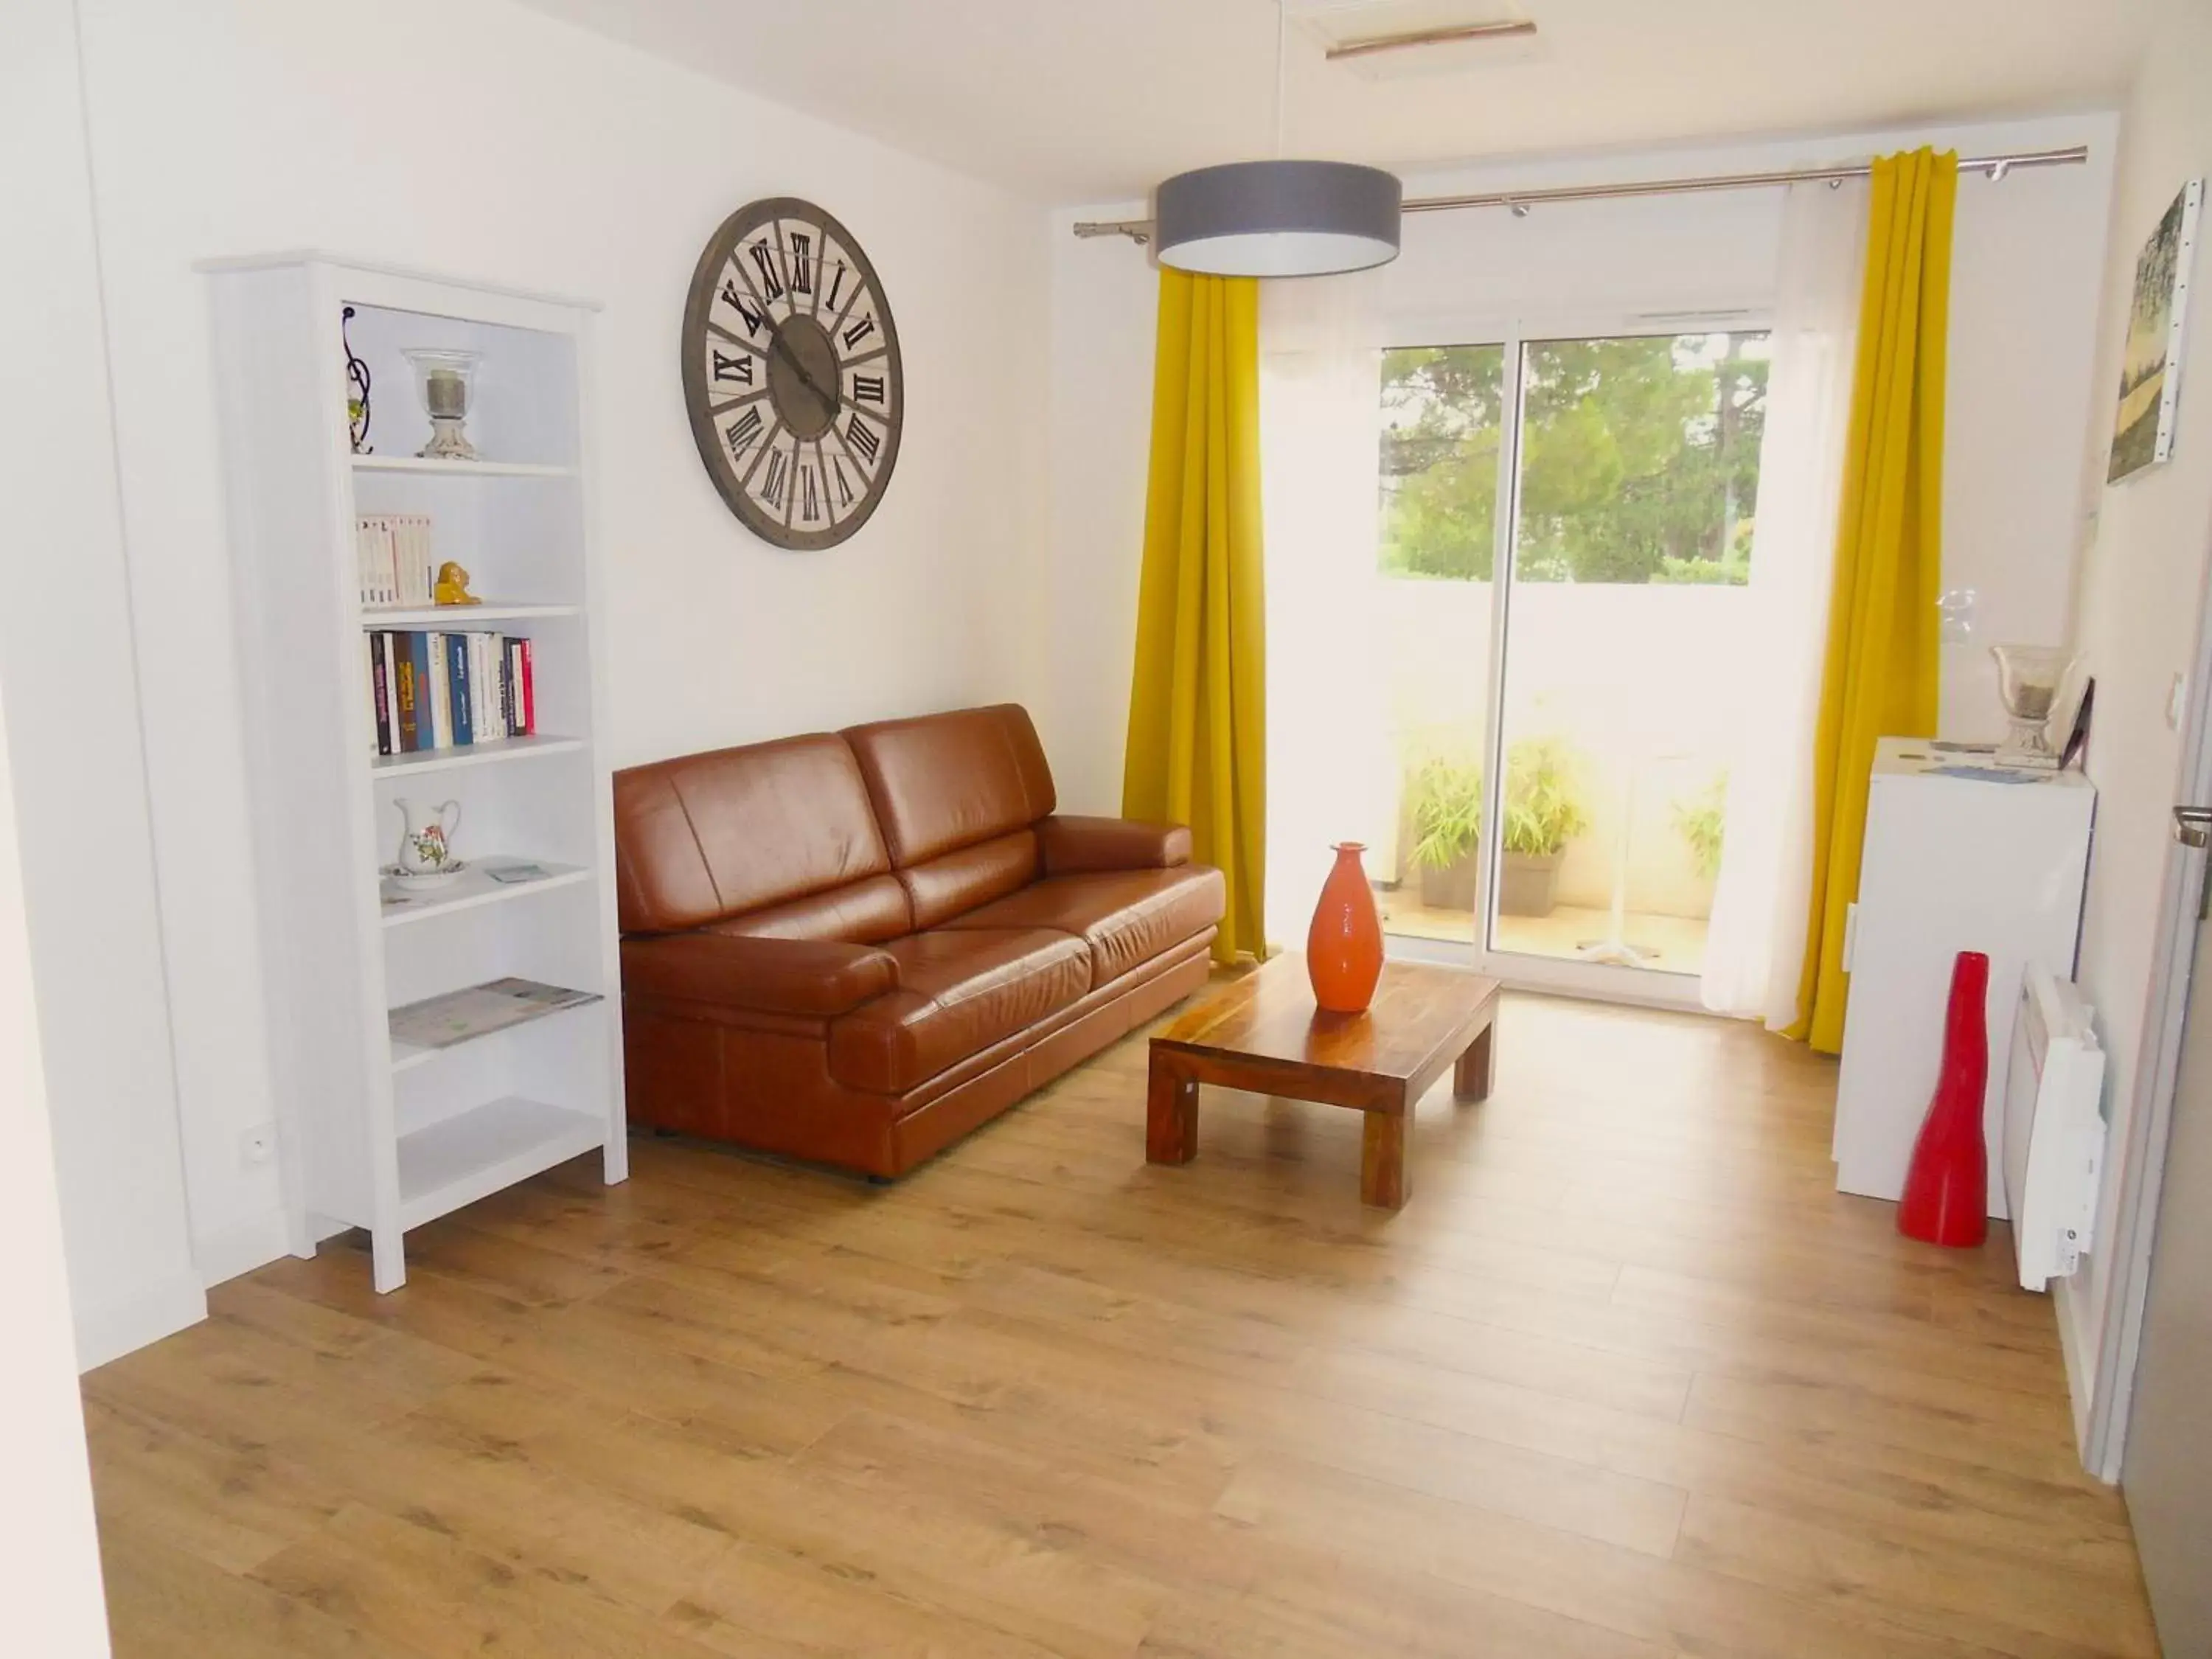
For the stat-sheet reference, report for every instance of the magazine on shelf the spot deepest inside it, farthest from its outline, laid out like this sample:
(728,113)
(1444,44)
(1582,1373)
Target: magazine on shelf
(479,1010)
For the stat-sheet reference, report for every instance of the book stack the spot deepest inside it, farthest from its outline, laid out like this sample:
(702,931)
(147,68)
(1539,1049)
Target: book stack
(396,567)
(446,690)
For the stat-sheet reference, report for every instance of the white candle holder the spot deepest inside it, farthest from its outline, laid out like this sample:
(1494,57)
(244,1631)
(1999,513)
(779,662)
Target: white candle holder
(445,381)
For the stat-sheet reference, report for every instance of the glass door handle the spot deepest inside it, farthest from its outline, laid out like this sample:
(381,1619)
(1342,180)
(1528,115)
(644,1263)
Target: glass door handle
(2192,825)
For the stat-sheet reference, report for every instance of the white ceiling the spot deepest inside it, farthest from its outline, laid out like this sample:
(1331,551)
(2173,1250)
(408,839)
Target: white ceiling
(1094,100)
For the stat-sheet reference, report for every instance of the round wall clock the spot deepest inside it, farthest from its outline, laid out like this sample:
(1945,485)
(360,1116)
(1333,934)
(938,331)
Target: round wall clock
(791,373)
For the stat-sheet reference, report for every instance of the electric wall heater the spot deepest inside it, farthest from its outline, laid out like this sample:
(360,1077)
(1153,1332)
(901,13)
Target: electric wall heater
(2054,1135)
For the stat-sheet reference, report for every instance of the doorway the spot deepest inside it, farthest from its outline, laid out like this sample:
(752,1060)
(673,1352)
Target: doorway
(1564,538)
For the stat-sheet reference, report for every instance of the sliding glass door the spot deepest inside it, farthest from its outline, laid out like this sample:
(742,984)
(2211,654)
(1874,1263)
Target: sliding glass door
(1565,542)
(1444,427)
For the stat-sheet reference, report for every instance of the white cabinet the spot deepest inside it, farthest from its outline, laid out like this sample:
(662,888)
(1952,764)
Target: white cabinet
(376,1134)
(1958,857)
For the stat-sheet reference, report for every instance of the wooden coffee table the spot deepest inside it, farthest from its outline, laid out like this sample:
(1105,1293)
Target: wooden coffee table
(1262,1033)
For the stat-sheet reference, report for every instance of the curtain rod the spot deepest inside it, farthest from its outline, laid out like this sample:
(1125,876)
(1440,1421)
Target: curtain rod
(1139,231)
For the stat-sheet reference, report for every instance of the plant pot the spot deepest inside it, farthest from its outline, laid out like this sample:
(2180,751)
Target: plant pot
(1528,883)
(1451,886)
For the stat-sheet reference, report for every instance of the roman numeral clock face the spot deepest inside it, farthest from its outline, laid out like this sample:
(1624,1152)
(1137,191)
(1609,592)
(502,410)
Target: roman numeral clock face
(791,373)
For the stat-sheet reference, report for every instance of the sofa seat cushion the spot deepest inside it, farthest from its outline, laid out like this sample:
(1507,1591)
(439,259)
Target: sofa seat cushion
(958,992)
(1124,917)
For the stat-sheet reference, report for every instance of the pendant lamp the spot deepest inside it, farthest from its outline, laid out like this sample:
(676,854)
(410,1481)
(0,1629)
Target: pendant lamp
(1278,218)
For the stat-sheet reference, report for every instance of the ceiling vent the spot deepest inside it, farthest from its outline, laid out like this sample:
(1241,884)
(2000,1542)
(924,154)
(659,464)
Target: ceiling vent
(1394,39)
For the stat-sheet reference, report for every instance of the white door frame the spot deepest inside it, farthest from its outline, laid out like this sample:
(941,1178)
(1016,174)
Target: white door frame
(1599,982)
(2109,1352)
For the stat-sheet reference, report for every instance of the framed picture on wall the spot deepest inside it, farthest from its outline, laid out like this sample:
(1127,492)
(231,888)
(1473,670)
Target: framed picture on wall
(2150,363)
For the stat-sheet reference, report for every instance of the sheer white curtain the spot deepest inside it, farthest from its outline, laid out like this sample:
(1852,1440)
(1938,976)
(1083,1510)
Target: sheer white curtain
(1329,764)
(1755,945)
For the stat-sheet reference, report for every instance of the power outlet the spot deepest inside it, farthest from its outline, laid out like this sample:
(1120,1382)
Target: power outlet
(257,1145)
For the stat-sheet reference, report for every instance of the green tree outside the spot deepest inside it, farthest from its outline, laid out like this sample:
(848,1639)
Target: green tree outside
(1640,459)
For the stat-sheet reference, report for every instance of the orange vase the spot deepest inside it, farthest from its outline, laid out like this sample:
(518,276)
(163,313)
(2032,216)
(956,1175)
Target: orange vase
(1343,947)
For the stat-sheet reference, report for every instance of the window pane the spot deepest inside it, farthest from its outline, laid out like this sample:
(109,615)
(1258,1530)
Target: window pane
(1439,467)
(1440,430)
(1639,481)
(1640,459)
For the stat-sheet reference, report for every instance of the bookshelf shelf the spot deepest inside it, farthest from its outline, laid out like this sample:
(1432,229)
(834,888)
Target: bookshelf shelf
(476,1152)
(444,615)
(372,1133)
(487,753)
(475,888)
(407,1056)
(461,469)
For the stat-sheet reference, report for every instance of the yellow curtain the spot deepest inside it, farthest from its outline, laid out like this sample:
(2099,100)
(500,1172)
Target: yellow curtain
(1198,738)
(1880,678)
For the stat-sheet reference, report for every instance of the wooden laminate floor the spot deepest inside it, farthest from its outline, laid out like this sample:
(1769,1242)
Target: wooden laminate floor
(1625,1377)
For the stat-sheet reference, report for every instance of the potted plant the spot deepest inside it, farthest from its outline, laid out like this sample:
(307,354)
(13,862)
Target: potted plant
(1544,810)
(1444,799)
(1700,819)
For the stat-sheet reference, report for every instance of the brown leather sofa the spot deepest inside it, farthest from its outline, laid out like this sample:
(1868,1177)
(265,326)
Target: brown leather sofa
(856,947)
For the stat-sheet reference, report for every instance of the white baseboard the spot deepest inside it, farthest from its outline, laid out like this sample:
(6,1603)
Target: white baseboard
(241,1249)
(115,1328)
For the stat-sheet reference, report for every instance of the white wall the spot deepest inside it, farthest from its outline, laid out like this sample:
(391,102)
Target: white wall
(66,633)
(477,139)
(50,1579)
(2027,269)
(2142,581)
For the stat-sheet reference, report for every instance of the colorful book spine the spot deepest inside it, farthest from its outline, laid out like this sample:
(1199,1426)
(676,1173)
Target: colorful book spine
(411,735)
(384,655)
(463,689)
(379,723)
(487,660)
(418,651)
(441,701)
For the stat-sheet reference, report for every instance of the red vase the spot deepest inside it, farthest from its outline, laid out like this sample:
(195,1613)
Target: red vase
(1947,1190)
(1343,947)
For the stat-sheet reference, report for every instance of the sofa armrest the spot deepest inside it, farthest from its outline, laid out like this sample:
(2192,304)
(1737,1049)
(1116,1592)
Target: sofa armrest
(1070,844)
(817,978)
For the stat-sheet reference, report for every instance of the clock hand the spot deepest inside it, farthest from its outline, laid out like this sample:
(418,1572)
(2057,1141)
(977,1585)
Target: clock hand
(776,345)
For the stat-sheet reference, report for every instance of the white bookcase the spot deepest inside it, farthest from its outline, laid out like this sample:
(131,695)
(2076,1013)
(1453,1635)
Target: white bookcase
(373,1133)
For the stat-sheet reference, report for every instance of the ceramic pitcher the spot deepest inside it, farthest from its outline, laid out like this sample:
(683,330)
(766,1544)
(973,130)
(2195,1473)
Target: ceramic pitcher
(426,844)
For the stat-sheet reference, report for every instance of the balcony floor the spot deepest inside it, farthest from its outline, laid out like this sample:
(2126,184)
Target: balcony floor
(1676,945)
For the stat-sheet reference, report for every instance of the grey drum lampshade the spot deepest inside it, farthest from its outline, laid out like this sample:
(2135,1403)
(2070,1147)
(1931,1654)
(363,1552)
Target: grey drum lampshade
(1278,219)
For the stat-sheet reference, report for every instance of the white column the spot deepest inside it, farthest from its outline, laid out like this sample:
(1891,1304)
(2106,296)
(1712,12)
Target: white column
(49,1557)
(90,910)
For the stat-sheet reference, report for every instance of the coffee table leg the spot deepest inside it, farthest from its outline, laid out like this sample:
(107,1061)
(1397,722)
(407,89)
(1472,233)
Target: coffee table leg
(1383,1178)
(1476,1069)
(1171,1113)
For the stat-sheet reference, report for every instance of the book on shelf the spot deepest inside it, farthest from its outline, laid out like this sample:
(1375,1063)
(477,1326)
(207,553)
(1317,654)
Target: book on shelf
(397,567)
(440,1022)
(430,690)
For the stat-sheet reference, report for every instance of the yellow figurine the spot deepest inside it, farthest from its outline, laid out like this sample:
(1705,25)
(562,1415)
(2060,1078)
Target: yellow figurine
(452,586)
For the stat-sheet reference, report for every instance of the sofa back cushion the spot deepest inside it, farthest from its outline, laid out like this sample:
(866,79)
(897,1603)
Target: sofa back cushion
(708,837)
(957,882)
(942,782)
